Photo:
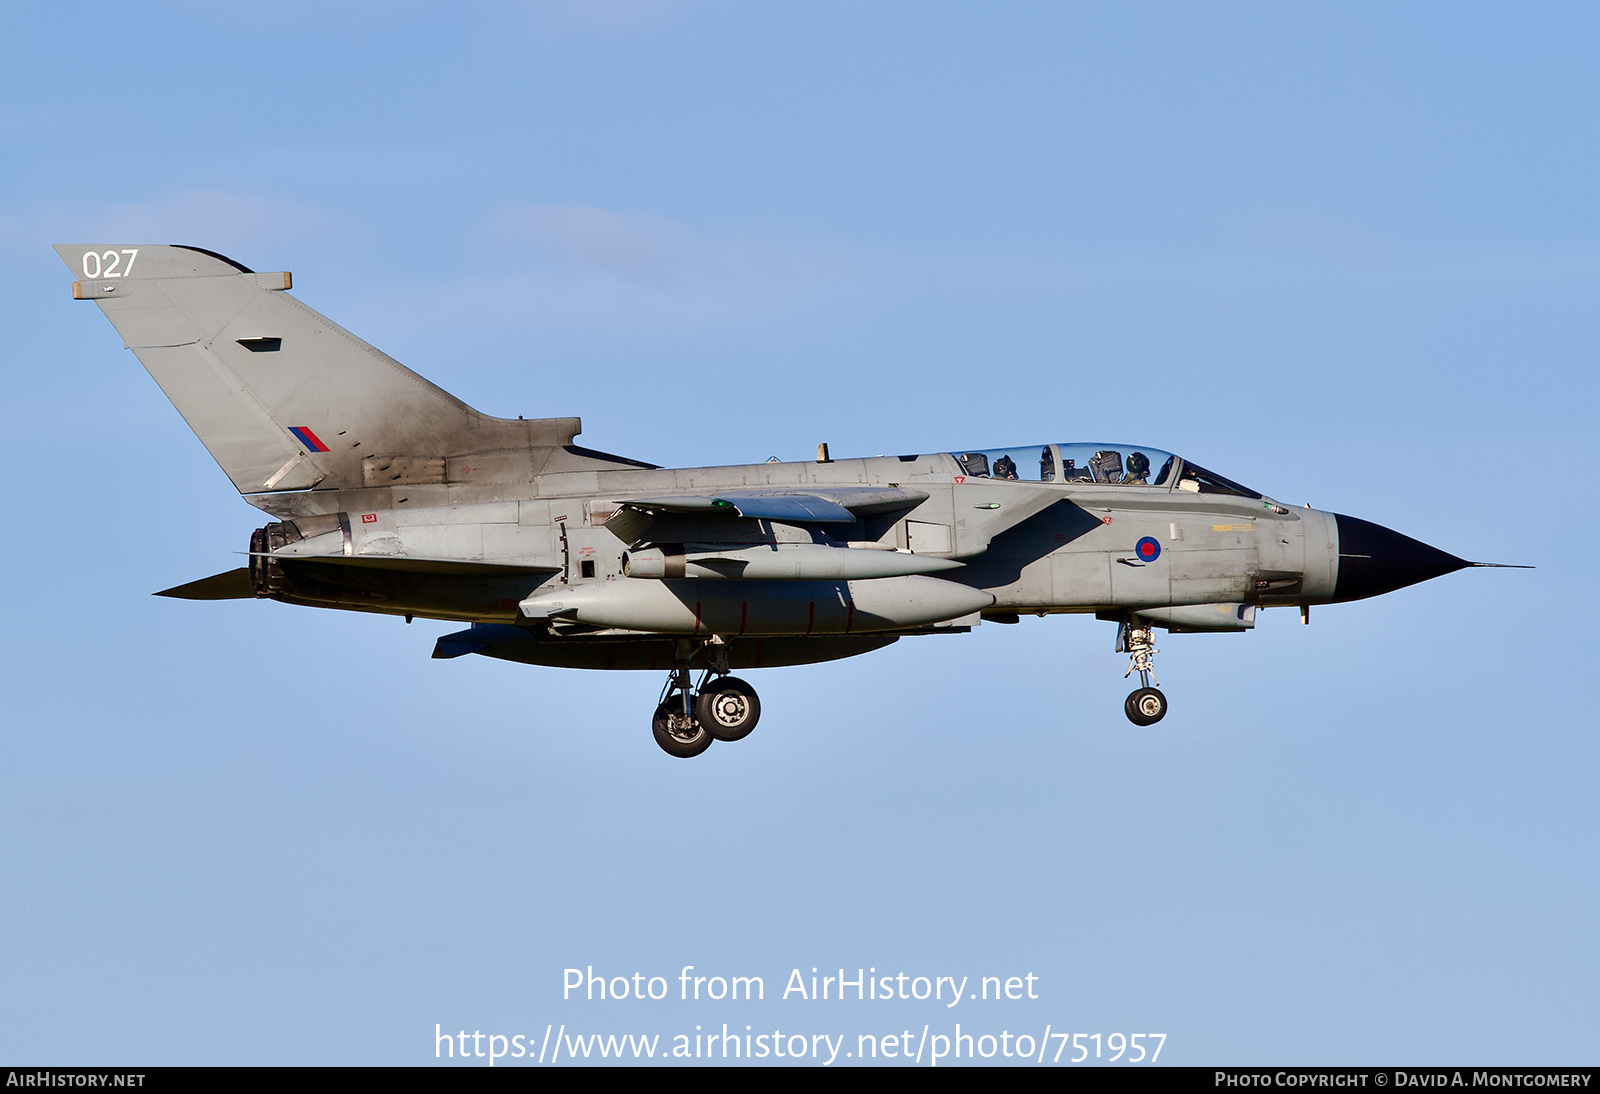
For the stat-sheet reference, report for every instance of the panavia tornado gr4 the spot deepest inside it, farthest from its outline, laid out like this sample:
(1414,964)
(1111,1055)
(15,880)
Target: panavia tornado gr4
(391,496)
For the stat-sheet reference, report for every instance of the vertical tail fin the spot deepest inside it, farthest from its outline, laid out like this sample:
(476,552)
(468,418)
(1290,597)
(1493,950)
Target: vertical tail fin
(282,397)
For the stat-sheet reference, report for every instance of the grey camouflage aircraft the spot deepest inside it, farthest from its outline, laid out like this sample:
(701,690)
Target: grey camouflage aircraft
(391,496)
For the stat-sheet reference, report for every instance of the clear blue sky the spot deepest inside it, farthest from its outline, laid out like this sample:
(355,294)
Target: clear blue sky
(1347,254)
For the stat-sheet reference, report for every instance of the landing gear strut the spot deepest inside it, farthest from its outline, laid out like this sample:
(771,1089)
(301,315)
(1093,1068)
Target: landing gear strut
(1147,706)
(689,719)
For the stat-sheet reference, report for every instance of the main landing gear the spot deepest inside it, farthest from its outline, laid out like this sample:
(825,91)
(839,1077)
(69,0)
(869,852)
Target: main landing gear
(722,709)
(1147,706)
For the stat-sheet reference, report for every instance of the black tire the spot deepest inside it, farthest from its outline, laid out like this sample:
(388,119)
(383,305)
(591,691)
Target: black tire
(675,742)
(728,708)
(1145,707)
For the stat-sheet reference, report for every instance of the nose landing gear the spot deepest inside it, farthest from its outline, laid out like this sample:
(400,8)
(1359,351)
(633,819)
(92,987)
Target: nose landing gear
(688,719)
(1147,706)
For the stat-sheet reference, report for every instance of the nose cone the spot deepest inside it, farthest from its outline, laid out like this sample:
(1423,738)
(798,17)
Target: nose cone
(1374,559)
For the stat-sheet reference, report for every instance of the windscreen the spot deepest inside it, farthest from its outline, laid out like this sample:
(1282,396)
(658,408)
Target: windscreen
(1198,480)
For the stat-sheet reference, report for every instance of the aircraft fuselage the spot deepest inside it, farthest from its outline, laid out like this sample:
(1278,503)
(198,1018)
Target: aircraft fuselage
(1036,547)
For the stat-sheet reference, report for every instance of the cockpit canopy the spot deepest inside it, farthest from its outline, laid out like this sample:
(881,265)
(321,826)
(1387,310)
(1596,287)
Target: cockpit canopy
(1097,464)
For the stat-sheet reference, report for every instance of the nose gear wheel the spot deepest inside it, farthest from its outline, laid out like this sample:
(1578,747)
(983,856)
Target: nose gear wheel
(1147,706)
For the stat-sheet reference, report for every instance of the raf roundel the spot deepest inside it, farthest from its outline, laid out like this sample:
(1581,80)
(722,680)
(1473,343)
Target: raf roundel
(1147,549)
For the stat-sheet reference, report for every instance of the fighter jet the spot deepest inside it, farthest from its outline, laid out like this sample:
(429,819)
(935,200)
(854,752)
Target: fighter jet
(391,496)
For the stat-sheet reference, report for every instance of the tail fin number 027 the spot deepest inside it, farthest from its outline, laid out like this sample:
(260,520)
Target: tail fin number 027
(105,265)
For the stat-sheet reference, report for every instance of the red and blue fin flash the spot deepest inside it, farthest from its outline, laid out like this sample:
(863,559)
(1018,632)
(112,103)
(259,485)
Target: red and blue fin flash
(309,439)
